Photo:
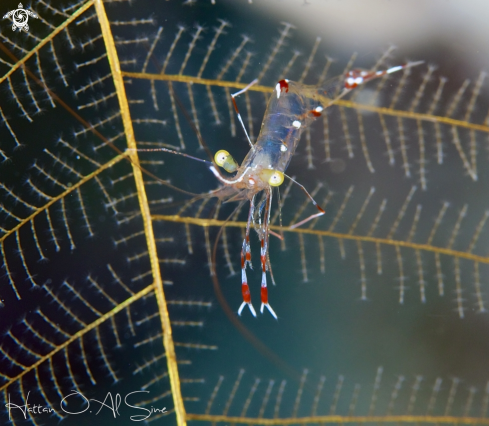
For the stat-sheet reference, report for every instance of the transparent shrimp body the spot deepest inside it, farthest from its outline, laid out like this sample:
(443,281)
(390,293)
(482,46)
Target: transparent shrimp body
(291,108)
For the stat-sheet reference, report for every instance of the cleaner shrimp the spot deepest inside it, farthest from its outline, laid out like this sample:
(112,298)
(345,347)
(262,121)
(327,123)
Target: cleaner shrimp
(291,108)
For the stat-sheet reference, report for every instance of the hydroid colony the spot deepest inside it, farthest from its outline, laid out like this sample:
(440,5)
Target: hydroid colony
(107,283)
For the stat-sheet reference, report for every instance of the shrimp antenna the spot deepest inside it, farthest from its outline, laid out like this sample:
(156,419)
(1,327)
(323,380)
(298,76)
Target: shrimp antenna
(172,152)
(313,216)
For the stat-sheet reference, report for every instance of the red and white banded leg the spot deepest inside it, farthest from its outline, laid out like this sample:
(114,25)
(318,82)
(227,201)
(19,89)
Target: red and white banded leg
(263,256)
(264,289)
(245,289)
(356,77)
(246,260)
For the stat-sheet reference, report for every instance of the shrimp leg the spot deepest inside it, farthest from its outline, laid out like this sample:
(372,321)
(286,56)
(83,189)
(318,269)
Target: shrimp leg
(245,260)
(237,110)
(264,256)
(313,216)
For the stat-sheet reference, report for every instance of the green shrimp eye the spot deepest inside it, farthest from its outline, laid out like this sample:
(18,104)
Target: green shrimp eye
(276,179)
(225,160)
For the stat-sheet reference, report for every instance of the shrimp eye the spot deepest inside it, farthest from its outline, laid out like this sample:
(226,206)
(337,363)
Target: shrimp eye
(221,157)
(276,179)
(225,160)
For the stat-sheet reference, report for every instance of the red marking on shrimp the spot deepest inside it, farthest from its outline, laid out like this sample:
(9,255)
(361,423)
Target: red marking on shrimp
(354,78)
(315,113)
(245,290)
(263,258)
(282,85)
(235,106)
(264,302)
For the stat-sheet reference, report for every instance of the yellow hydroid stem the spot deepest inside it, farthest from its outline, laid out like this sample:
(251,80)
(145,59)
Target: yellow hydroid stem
(145,213)
(46,40)
(55,199)
(89,327)
(340,420)
(347,104)
(363,238)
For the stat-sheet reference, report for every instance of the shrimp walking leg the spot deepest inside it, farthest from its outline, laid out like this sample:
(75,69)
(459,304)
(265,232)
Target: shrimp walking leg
(264,234)
(246,260)
(313,216)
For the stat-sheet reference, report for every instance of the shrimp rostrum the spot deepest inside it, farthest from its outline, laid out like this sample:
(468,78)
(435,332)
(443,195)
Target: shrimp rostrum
(291,108)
